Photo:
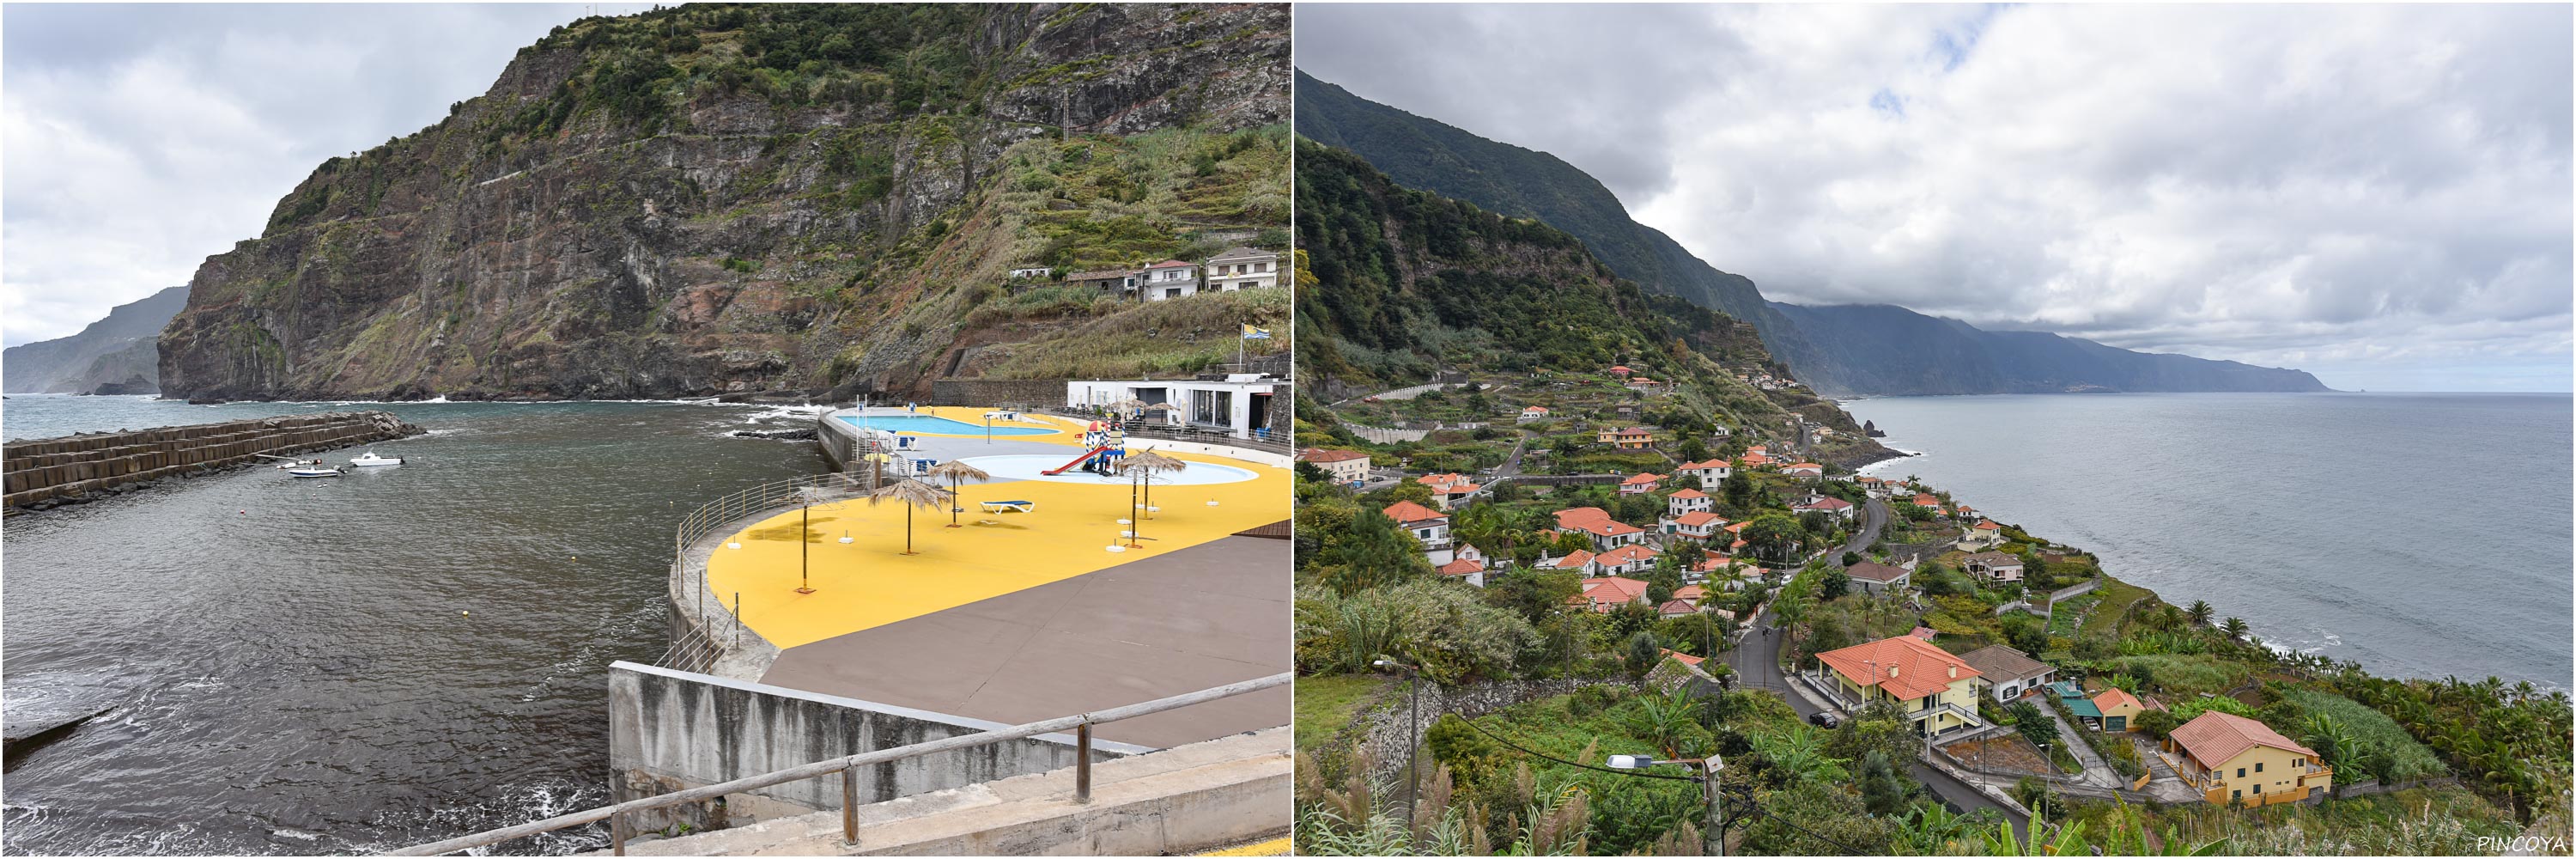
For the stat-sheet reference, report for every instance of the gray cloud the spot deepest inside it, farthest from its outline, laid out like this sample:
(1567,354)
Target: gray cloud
(2377,194)
(141,139)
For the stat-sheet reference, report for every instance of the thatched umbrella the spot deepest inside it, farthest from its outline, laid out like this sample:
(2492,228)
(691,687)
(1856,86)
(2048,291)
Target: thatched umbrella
(912,493)
(957,472)
(810,495)
(1146,464)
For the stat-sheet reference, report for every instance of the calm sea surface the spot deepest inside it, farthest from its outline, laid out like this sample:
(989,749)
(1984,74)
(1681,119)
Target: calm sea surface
(2420,534)
(295,673)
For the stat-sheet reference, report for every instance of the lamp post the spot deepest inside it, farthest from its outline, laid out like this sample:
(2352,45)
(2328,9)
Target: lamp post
(1413,758)
(1713,834)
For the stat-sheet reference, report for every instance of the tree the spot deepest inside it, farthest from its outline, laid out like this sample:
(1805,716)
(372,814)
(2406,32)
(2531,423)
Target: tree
(1774,535)
(1833,585)
(1851,558)
(2155,723)
(2235,628)
(2034,725)
(2201,612)
(1880,791)
(1739,488)
(1642,654)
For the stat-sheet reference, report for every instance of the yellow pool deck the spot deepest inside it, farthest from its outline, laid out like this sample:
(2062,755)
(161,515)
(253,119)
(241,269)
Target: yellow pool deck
(869,582)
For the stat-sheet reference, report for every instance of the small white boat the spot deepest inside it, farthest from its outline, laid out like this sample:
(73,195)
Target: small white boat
(371,459)
(314,471)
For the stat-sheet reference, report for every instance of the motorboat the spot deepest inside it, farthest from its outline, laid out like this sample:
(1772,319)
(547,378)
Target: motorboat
(292,464)
(370,458)
(314,471)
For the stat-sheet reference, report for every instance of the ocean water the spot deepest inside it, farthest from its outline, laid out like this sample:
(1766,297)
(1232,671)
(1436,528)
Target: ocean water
(2422,535)
(296,669)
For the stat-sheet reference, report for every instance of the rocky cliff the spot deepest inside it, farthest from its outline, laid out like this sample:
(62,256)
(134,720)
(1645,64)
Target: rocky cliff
(114,355)
(762,200)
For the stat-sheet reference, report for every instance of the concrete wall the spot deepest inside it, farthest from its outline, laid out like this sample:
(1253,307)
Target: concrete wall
(672,730)
(44,472)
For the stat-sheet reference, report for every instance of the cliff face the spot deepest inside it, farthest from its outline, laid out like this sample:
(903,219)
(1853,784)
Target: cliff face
(1839,350)
(784,200)
(112,356)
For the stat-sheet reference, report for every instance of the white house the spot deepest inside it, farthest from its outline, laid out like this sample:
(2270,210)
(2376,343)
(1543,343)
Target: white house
(1840,509)
(1464,570)
(1606,533)
(1533,414)
(1346,466)
(1243,268)
(1687,501)
(1169,279)
(1981,535)
(1709,472)
(1639,484)
(1428,525)
(2008,674)
(1239,404)
(1803,470)
(1697,525)
(1030,273)
(1578,562)
(1632,558)
(1996,567)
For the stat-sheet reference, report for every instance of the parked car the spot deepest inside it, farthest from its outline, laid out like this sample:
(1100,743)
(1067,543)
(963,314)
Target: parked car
(1824,720)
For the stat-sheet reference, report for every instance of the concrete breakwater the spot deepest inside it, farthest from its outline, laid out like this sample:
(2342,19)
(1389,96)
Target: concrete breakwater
(42,473)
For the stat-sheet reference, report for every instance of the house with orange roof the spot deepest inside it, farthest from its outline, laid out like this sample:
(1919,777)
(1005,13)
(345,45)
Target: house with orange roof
(1728,573)
(1676,608)
(1469,570)
(1624,560)
(1709,471)
(1697,525)
(1687,501)
(1606,593)
(1578,562)
(1534,414)
(1428,525)
(1621,371)
(1754,459)
(1803,470)
(1449,490)
(1936,691)
(1626,438)
(1639,483)
(2230,759)
(1838,508)
(2119,709)
(1606,533)
(1693,593)
(1345,466)
(1981,535)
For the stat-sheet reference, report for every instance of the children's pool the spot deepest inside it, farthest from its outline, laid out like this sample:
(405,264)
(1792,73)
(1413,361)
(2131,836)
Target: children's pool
(940,426)
(1026,466)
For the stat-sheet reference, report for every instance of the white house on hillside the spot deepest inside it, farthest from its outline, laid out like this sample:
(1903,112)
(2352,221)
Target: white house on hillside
(1169,279)
(1243,268)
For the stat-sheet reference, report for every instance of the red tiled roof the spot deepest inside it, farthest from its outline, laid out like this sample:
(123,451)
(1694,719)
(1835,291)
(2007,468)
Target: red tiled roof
(1696,518)
(1630,553)
(1641,478)
(1462,566)
(1535,410)
(1594,520)
(1694,593)
(1635,431)
(1828,504)
(1705,463)
(1987,526)
(1675,607)
(1407,512)
(1685,658)
(2115,697)
(1166,264)
(1574,560)
(1687,493)
(2216,738)
(1317,454)
(1805,465)
(1614,590)
(1905,666)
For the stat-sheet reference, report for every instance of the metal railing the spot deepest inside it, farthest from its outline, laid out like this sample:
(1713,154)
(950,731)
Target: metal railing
(848,769)
(696,648)
(1141,428)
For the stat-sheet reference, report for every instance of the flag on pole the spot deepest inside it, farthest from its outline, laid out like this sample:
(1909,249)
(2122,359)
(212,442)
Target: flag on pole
(1251,333)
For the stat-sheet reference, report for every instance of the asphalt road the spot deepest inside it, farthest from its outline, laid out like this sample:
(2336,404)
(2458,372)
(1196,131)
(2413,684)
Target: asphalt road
(1873,519)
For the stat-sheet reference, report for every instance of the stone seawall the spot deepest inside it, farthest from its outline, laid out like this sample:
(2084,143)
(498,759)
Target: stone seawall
(42,473)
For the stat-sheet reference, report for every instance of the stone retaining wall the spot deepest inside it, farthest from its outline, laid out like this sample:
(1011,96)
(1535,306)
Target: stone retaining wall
(41,473)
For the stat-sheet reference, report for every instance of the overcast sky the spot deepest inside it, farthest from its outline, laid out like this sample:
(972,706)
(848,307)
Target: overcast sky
(136,141)
(2377,194)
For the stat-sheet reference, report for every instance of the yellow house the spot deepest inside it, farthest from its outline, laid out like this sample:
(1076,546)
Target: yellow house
(2119,709)
(1936,691)
(1629,438)
(2230,758)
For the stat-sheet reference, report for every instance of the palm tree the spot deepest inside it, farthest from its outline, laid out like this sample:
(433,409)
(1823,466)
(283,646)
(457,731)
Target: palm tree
(2201,612)
(2235,628)
(957,472)
(912,493)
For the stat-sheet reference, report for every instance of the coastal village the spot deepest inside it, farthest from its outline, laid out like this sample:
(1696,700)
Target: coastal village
(1650,557)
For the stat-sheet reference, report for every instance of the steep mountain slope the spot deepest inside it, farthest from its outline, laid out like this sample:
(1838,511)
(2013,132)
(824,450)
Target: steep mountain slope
(1887,349)
(783,200)
(116,352)
(1407,282)
(1876,349)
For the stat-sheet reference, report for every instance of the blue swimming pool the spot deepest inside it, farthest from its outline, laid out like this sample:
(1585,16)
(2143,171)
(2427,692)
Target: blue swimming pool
(939,425)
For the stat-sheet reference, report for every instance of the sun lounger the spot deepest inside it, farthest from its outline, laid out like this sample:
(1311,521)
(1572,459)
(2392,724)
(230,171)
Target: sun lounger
(1009,506)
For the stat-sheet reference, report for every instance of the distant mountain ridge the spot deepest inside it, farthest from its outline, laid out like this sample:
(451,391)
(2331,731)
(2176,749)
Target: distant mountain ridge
(115,355)
(1838,350)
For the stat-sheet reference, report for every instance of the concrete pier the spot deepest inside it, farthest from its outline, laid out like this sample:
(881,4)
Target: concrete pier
(42,473)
